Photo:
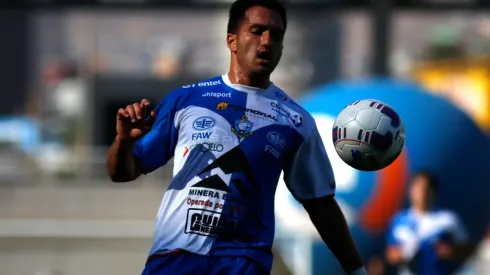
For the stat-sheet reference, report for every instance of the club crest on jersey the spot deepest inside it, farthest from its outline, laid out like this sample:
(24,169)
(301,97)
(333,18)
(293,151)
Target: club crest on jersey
(243,127)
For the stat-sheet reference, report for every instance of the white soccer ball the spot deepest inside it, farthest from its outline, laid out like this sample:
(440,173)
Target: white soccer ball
(368,135)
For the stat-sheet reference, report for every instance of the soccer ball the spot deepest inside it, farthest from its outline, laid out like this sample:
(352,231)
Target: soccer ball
(368,135)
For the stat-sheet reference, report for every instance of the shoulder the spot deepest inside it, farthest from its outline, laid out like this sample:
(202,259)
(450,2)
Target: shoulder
(215,83)
(400,218)
(185,95)
(302,119)
(448,216)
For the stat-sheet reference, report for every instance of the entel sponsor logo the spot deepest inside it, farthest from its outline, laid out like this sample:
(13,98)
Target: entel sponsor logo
(203,84)
(203,123)
(276,139)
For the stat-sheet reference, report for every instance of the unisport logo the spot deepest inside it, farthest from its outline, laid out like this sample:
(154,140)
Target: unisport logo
(217,95)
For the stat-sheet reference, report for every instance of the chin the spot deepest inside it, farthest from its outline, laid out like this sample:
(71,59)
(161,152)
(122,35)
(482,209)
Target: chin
(264,70)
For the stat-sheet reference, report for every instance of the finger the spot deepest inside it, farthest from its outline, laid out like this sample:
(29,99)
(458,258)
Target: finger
(144,104)
(121,114)
(152,118)
(137,111)
(132,113)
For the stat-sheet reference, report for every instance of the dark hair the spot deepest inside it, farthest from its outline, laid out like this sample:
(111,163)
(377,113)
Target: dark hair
(240,7)
(432,180)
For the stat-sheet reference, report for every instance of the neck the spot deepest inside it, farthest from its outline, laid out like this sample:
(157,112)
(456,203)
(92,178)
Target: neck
(421,208)
(237,76)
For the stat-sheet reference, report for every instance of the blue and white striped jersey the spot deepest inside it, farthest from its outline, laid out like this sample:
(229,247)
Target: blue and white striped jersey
(416,234)
(230,144)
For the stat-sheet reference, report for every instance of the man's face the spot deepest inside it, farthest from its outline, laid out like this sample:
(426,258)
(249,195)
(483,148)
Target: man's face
(259,41)
(420,192)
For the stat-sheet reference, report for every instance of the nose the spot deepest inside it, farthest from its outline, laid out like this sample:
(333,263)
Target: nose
(265,39)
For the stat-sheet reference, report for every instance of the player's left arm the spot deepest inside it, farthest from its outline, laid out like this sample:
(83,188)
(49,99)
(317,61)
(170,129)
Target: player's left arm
(309,177)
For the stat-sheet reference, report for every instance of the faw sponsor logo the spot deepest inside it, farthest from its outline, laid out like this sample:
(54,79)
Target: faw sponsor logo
(273,151)
(201,135)
(276,139)
(203,123)
(248,111)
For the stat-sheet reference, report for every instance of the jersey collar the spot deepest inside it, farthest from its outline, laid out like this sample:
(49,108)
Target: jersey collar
(244,88)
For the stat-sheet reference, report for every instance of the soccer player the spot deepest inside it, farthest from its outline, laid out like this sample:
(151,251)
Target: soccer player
(425,240)
(231,136)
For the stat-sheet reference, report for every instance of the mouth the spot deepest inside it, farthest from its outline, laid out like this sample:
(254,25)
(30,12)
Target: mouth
(264,56)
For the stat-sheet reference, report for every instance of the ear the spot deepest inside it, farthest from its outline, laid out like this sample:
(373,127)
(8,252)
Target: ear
(231,42)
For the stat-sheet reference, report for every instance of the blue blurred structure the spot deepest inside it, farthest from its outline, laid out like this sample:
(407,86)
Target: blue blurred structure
(22,132)
(439,137)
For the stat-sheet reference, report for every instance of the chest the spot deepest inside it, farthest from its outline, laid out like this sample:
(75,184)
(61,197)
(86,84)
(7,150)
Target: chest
(425,228)
(256,124)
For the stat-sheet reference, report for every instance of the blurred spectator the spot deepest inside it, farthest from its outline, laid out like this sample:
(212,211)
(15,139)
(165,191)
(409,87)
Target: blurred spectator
(425,240)
(445,44)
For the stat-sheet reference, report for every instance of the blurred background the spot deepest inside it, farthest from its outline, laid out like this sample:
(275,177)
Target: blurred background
(67,69)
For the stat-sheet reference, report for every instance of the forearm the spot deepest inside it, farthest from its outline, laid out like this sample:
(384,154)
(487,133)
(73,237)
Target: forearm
(330,222)
(121,163)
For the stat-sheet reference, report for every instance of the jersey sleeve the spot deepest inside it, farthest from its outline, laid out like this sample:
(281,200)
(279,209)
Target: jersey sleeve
(308,173)
(400,235)
(458,230)
(157,147)
(392,238)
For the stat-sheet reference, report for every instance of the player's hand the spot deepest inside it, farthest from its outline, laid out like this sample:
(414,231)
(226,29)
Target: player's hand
(394,255)
(132,123)
(443,250)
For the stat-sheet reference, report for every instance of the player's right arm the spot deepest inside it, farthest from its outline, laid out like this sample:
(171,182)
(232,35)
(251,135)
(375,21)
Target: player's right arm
(144,142)
(131,126)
